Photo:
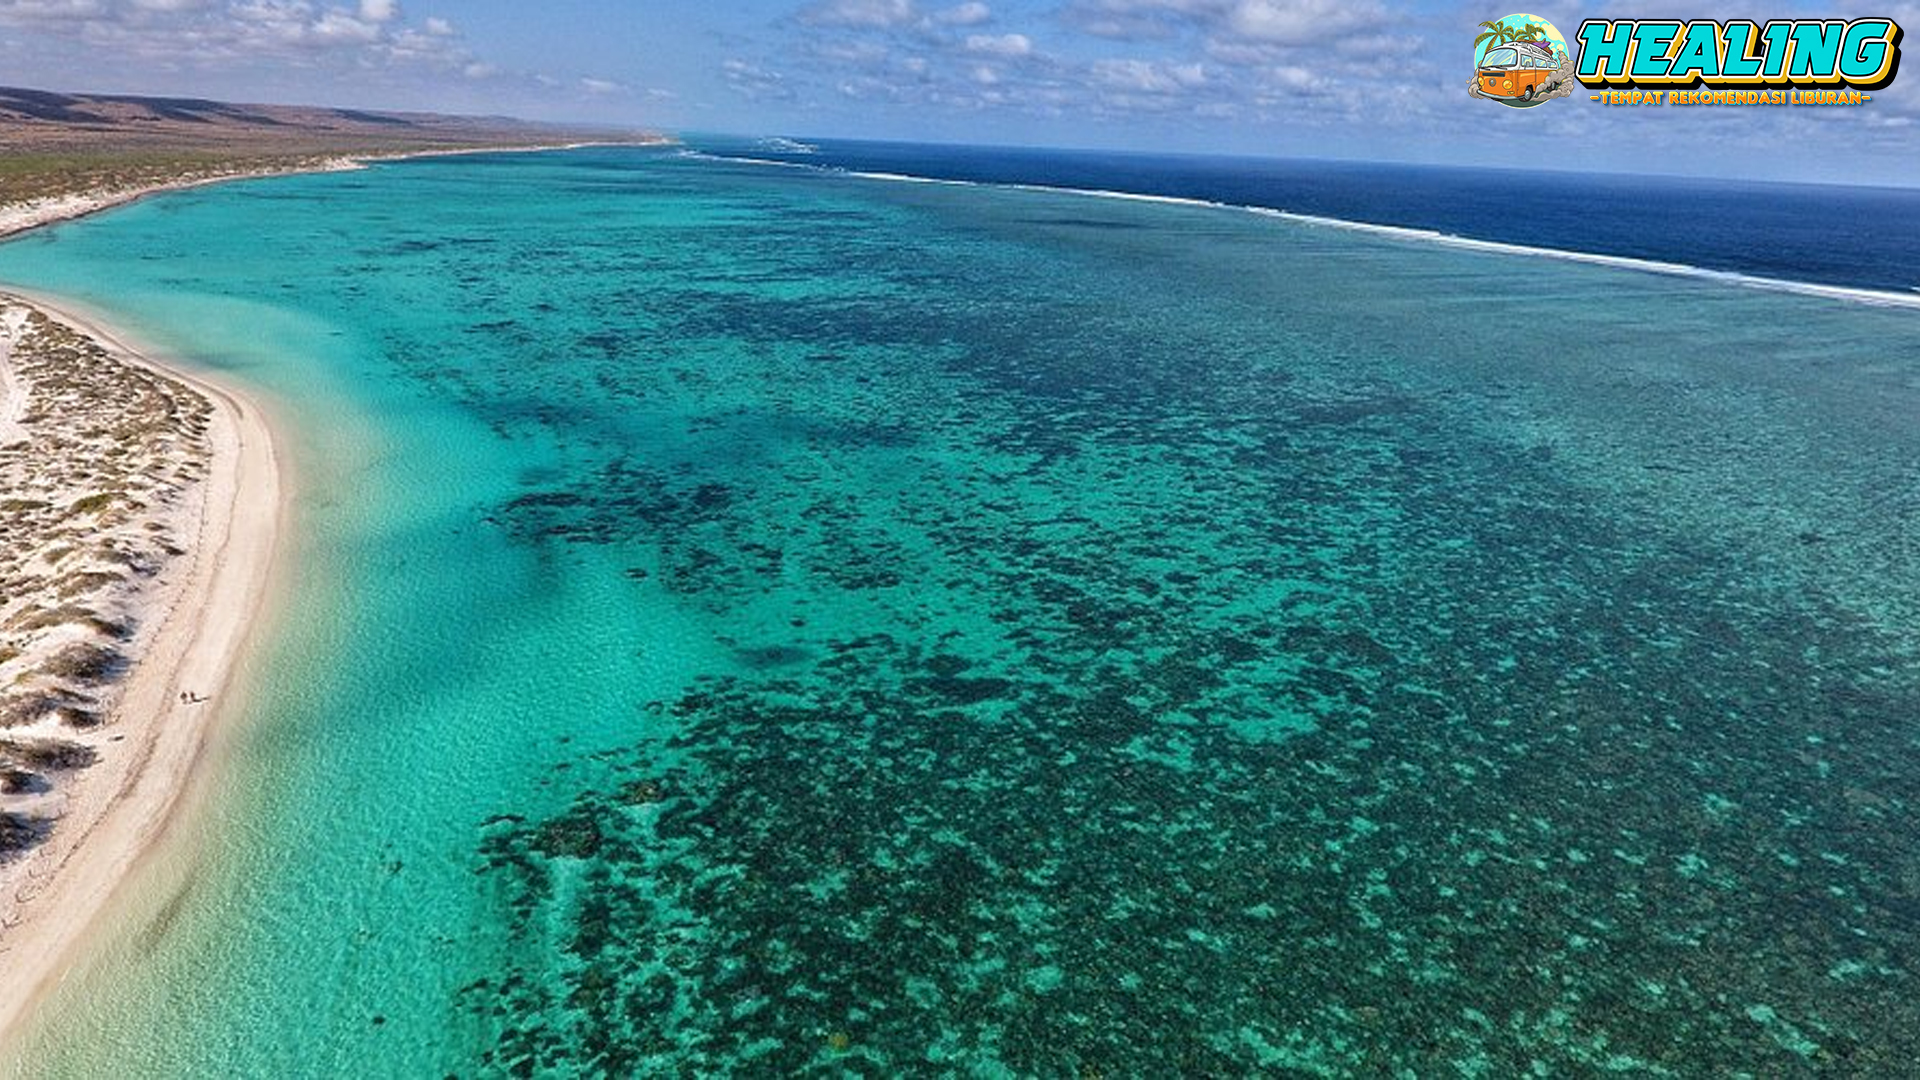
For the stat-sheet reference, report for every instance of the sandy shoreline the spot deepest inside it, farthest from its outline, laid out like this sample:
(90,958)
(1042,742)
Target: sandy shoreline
(118,809)
(122,805)
(20,217)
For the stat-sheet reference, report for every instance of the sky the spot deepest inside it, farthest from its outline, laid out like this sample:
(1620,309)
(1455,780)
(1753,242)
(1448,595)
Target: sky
(1352,79)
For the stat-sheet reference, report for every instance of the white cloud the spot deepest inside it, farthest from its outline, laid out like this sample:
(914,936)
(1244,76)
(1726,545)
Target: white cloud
(877,14)
(602,87)
(849,50)
(30,11)
(1147,77)
(1291,76)
(1249,60)
(1297,22)
(1227,22)
(336,27)
(1137,20)
(233,33)
(755,82)
(968,14)
(1005,46)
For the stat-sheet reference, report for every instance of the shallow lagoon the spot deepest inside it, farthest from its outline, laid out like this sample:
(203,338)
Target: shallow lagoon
(754,619)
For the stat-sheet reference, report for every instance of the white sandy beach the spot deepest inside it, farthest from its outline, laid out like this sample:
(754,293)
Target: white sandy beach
(19,217)
(153,742)
(152,747)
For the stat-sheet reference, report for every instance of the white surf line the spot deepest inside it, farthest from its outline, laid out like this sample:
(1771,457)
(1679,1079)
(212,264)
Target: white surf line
(701,155)
(902,178)
(1847,293)
(1853,294)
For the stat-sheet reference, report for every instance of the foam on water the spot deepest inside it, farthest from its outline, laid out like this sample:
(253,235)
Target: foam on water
(1618,262)
(1395,232)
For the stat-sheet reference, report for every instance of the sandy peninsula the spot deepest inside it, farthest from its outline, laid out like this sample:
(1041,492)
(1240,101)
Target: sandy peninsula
(31,213)
(137,529)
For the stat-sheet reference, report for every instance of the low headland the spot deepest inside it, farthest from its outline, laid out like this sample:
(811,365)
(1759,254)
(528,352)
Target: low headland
(73,154)
(139,503)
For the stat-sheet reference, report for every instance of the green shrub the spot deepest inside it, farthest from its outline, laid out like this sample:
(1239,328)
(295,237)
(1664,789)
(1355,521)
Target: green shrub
(49,754)
(84,663)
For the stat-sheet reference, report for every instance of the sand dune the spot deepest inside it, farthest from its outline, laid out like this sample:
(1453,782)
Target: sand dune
(139,521)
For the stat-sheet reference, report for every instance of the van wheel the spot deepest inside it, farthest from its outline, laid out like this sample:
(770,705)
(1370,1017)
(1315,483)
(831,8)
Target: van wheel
(1529,94)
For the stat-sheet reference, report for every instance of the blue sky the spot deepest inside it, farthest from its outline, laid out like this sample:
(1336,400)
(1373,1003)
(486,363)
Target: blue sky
(1363,79)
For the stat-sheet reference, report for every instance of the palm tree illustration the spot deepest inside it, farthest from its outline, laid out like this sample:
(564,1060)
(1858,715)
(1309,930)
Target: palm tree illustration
(1499,33)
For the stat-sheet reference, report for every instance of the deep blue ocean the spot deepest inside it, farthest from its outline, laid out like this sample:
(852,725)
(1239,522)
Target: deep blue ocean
(744,620)
(1859,237)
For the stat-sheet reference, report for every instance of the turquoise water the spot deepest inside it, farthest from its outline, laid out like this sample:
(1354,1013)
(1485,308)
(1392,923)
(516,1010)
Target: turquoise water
(760,621)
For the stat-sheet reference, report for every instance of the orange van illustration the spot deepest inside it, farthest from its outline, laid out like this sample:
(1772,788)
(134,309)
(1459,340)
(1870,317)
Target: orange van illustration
(1518,69)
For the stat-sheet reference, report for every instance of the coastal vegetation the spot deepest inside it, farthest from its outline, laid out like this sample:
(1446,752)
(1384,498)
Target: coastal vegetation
(80,146)
(102,460)
(31,176)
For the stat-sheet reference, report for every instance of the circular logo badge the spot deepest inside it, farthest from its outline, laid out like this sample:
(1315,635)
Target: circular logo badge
(1521,60)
